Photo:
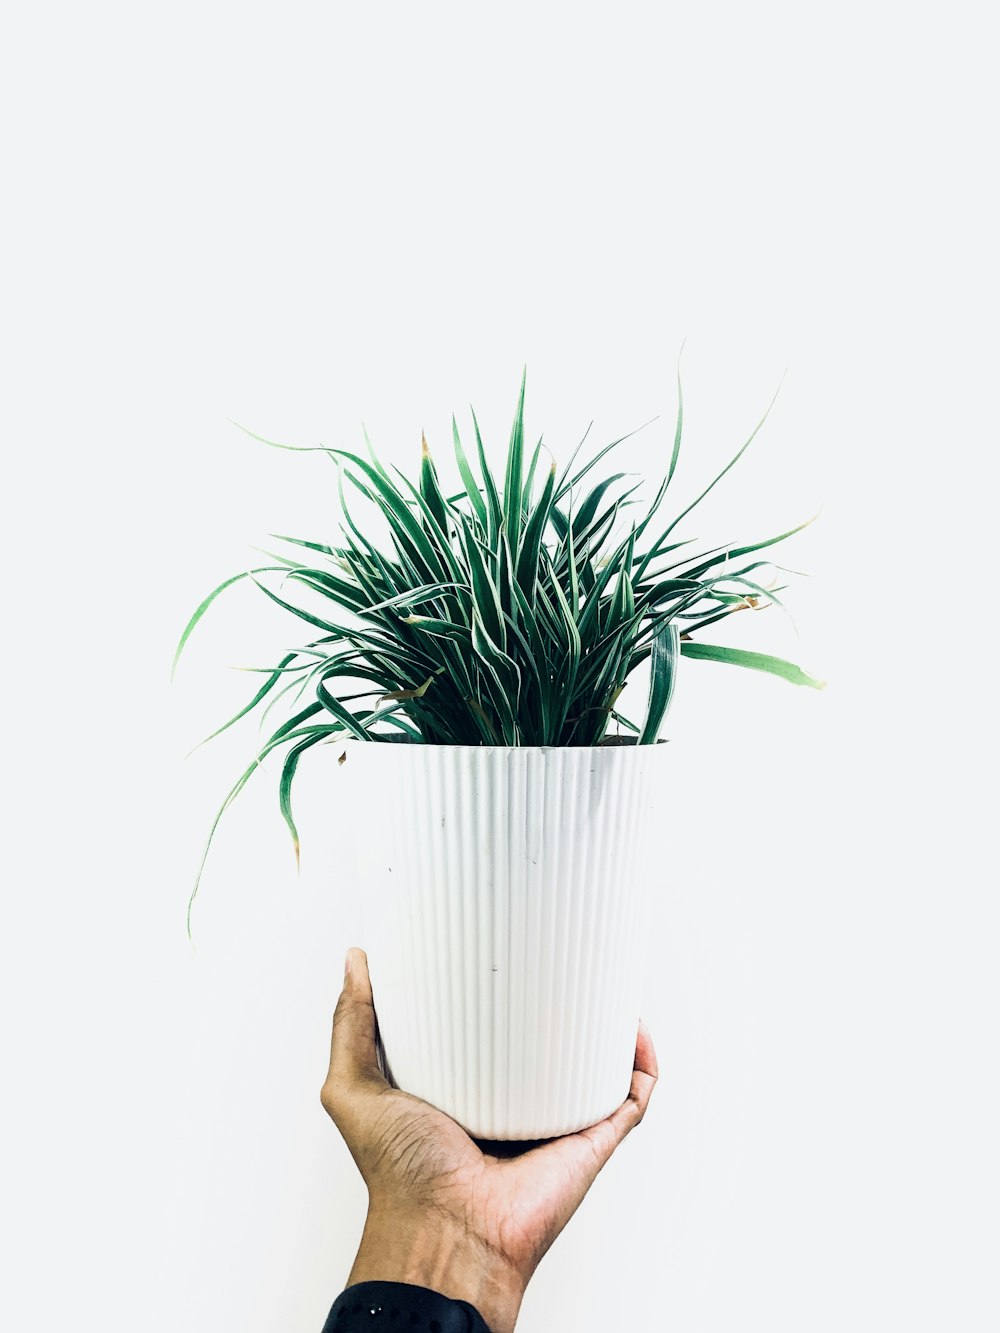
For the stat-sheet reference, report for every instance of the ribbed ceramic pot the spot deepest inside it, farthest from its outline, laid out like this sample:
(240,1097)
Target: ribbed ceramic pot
(504,892)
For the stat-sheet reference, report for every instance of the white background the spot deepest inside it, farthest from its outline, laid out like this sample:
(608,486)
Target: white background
(300,217)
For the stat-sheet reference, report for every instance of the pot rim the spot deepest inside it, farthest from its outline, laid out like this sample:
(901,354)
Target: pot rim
(618,743)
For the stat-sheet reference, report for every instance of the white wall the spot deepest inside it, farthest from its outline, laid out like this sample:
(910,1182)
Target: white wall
(303,216)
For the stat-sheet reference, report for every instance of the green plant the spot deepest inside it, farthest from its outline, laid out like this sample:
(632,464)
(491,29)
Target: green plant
(508,616)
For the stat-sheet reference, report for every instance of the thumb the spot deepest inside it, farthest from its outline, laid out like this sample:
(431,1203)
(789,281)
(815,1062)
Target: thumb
(353,1053)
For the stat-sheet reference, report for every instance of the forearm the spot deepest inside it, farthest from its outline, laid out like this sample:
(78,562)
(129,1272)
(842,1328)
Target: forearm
(431,1252)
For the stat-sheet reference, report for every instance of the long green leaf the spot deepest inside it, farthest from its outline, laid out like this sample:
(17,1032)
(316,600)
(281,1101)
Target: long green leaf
(288,769)
(262,693)
(735,552)
(529,480)
(526,564)
(732,462)
(515,467)
(493,507)
(776,666)
(486,595)
(565,483)
(310,546)
(204,605)
(471,485)
(289,731)
(678,429)
(397,512)
(662,679)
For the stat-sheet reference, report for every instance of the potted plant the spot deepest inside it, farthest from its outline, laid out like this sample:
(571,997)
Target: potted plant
(490,638)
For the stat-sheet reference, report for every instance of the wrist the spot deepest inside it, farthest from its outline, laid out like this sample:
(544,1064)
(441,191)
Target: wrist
(428,1251)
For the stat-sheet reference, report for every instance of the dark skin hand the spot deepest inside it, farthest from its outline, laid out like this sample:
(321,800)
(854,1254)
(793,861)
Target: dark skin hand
(469,1218)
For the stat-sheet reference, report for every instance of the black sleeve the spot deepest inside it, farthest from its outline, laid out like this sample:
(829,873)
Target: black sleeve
(399,1307)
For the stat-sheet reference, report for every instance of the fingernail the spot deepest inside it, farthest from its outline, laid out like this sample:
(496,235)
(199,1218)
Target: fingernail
(347,963)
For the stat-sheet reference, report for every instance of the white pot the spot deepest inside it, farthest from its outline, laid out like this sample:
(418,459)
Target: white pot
(503,893)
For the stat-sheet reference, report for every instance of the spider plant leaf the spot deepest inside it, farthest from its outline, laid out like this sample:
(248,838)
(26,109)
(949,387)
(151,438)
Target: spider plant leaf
(571,569)
(622,600)
(262,693)
(588,579)
(505,577)
(288,768)
(526,565)
(745,603)
(678,429)
(604,670)
(573,641)
(588,506)
(655,594)
(493,506)
(276,444)
(480,712)
(549,621)
(441,628)
(350,596)
(504,675)
(404,522)
(430,499)
(414,735)
(618,717)
(281,670)
(776,666)
(529,480)
(515,466)
(640,560)
(536,650)
(204,605)
(454,603)
(426,593)
(736,552)
(531,675)
(561,486)
(349,664)
(592,605)
(732,462)
(375,460)
(662,679)
(358,542)
(299,611)
(589,544)
(373,640)
(485,594)
(297,541)
(356,724)
(564,484)
(297,688)
(288,731)
(417,693)
(472,489)
(599,530)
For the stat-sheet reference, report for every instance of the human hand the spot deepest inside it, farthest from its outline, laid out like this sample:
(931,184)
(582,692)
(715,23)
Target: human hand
(463,1217)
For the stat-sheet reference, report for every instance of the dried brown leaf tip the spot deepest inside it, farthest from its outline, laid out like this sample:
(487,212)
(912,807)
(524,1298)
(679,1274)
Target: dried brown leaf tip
(417,693)
(342,757)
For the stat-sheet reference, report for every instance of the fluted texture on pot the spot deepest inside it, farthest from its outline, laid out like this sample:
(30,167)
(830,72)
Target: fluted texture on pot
(504,892)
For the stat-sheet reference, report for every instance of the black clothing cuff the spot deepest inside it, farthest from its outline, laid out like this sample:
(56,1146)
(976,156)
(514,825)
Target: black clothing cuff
(400,1307)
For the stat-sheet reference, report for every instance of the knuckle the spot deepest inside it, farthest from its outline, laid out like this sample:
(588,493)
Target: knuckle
(328,1097)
